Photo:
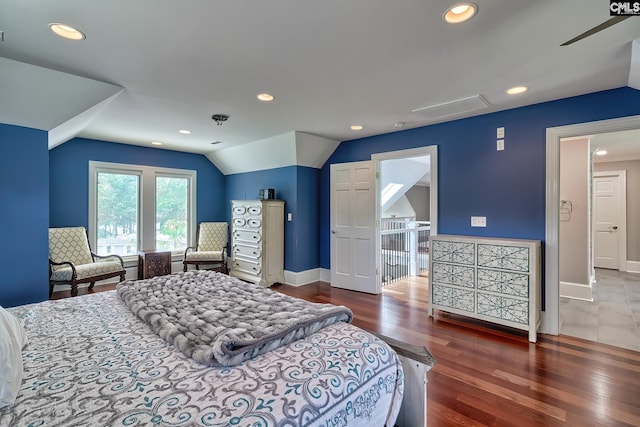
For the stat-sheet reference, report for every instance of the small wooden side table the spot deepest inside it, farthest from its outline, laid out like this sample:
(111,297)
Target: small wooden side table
(153,263)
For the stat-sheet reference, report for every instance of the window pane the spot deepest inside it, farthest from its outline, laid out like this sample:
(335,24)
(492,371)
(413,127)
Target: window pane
(117,213)
(172,202)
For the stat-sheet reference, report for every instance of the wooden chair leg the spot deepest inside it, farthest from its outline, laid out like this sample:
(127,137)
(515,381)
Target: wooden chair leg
(74,290)
(91,285)
(184,268)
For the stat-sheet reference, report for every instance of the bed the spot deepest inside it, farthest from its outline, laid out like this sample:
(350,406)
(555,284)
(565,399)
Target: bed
(91,361)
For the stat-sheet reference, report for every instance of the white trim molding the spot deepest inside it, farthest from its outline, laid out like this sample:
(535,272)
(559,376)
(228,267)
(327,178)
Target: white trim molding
(579,291)
(325,275)
(551,315)
(622,214)
(302,277)
(432,152)
(633,266)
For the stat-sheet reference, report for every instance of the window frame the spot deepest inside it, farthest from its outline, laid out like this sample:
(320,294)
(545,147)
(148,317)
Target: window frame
(146,238)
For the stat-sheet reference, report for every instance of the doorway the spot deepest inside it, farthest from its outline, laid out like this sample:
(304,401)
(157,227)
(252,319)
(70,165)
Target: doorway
(550,318)
(355,212)
(406,212)
(598,289)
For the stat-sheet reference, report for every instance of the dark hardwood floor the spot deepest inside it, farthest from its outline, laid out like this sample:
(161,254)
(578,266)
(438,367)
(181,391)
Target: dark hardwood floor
(491,376)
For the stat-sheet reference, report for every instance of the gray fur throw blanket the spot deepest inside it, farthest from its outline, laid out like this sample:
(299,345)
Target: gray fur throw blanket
(219,320)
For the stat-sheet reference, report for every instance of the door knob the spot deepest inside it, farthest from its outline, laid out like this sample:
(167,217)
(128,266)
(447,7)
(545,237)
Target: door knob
(615,227)
(333,231)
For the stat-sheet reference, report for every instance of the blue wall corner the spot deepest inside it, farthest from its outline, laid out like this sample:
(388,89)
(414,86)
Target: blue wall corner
(297,186)
(24,191)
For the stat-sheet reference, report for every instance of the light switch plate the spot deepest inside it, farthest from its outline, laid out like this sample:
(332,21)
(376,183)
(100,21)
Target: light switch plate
(289,216)
(500,133)
(500,145)
(478,221)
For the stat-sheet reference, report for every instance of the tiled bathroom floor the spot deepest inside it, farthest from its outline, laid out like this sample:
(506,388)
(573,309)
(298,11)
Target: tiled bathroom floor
(614,315)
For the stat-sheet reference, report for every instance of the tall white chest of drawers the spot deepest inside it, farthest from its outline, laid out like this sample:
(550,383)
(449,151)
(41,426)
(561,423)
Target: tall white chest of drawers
(257,241)
(492,279)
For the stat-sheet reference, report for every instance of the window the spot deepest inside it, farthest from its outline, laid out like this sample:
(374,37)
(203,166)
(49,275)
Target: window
(172,206)
(389,191)
(134,207)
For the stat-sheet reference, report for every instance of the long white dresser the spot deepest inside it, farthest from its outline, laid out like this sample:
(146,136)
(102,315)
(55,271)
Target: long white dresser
(257,241)
(492,279)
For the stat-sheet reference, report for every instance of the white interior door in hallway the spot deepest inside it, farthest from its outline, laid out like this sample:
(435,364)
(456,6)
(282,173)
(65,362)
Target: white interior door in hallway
(353,228)
(609,220)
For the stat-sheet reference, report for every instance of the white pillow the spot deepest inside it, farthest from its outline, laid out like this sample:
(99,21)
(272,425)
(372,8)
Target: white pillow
(12,340)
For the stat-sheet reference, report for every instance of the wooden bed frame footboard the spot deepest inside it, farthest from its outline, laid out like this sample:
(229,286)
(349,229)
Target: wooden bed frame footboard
(416,362)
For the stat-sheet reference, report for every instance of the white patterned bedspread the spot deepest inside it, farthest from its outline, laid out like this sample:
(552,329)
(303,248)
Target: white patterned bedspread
(91,362)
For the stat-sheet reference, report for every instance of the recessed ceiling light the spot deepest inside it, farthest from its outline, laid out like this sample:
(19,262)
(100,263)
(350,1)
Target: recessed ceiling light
(67,31)
(460,12)
(517,89)
(266,97)
(399,125)
(601,152)
(156,143)
(356,127)
(184,131)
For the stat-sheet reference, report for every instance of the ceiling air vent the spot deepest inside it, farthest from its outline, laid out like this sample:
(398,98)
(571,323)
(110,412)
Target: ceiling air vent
(460,106)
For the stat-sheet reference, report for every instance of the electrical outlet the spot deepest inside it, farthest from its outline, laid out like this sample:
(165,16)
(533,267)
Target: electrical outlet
(500,133)
(289,216)
(500,145)
(478,221)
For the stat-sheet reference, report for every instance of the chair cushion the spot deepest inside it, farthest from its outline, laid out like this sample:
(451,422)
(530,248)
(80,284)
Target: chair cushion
(84,271)
(212,236)
(204,256)
(69,244)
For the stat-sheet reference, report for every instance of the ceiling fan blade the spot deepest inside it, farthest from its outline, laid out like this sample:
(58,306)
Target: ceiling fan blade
(606,24)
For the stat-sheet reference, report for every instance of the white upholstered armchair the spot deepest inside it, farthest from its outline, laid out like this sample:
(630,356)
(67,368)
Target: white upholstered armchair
(71,261)
(212,247)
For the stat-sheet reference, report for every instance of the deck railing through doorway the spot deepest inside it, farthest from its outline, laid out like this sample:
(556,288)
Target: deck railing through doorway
(405,248)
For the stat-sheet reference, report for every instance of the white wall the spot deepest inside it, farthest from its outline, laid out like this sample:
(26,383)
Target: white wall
(574,226)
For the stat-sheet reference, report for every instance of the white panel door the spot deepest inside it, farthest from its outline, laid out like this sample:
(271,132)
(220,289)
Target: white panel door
(353,229)
(606,197)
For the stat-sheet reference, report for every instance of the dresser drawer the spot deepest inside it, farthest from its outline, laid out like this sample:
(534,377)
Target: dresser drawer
(247,251)
(504,308)
(247,236)
(249,266)
(239,210)
(460,299)
(254,210)
(503,282)
(239,222)
(452,274)
(254,223)
(502,257)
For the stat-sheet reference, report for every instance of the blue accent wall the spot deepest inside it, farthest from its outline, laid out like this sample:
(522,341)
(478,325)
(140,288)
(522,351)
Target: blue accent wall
(24,215)
(508,187)
(69,177)
(307,244)
(298,187)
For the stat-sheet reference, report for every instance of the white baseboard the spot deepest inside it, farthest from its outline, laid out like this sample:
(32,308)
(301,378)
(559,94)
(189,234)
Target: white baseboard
(325,275)
(579,291)
(302,277)
(633,266)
